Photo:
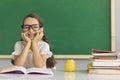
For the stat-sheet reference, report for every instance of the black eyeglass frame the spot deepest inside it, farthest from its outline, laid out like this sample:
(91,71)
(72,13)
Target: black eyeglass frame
(31,26)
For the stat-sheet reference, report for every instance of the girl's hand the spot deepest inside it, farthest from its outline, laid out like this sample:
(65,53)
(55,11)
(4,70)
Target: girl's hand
(38,37)
(25,37)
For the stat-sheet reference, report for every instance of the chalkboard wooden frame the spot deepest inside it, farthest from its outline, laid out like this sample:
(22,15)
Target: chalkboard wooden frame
(88,56)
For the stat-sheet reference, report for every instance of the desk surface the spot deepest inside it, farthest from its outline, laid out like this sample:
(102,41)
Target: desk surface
(60,75)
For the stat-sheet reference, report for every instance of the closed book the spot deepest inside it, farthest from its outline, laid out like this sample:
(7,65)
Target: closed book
(102,51)
(103,70)
(104,54)
(105,57)
(101,62)
(97,52)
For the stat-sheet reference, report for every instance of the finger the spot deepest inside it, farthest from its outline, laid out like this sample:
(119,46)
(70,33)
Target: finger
(26,33)
(41,34)
(37,34)
(22,35)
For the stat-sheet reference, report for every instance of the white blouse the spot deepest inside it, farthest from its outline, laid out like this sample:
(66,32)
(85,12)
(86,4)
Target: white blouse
(43,48)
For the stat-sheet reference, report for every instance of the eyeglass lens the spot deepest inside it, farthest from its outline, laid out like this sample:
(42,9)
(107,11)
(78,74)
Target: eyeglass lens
(34,27)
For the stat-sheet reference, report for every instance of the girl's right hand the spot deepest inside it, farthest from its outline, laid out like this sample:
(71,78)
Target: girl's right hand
(25,37)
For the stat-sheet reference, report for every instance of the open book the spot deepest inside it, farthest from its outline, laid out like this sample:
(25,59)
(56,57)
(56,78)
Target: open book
(22,70)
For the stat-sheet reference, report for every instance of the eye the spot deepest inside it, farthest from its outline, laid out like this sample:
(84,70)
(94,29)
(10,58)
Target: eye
(25,26)
(36,26)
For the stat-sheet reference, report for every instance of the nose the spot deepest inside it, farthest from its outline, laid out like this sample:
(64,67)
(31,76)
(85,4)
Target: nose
(30,29)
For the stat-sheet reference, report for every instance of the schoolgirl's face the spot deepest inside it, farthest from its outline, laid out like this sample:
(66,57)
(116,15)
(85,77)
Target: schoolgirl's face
(31,26)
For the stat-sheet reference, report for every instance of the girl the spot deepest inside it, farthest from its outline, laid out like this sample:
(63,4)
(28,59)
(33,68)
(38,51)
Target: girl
(33,50)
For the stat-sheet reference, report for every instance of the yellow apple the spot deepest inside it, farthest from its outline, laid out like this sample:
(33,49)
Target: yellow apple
(69,65)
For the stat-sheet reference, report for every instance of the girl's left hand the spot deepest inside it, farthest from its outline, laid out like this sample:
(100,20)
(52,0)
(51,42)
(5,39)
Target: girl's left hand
(38,37)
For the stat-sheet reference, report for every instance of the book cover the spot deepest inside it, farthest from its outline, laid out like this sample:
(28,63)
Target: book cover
(103,69)
(101,62)
(104,54)
(96,52)
(25,77)
(102,51)
(105,57)
(22,70)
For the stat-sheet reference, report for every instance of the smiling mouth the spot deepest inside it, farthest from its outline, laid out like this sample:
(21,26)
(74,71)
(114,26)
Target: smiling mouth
(31,35)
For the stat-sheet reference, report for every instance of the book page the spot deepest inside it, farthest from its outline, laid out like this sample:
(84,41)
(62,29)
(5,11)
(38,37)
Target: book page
(16,69)
(39,71)
(7,68)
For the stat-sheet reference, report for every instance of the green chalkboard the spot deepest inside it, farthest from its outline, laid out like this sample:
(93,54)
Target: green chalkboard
(72,26)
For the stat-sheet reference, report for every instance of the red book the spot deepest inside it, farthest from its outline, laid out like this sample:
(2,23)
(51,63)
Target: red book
(102,51)
(97,52)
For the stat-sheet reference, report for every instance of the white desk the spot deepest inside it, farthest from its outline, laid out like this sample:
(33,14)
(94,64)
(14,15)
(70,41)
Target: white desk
(60,75)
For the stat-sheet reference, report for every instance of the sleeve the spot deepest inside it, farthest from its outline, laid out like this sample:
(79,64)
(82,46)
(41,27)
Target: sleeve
(17,48)
(46,50)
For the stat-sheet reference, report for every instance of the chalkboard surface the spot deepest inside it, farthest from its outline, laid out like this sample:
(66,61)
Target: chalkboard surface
(72,26)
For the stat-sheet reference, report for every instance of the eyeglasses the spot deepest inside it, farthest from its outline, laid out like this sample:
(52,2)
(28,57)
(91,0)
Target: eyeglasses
(35,27)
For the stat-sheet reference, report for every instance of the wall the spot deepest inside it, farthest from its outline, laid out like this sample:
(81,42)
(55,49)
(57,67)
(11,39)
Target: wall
(117,25)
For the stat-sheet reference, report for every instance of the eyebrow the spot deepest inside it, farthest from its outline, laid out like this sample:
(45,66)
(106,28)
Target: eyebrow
(31,24)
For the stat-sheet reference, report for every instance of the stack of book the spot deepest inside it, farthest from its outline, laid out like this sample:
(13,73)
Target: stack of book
(104,62)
